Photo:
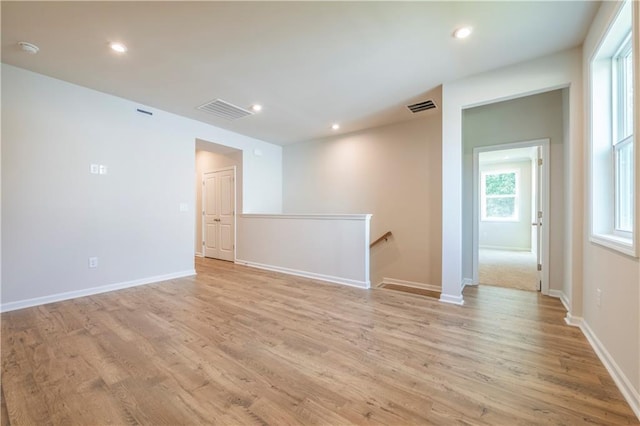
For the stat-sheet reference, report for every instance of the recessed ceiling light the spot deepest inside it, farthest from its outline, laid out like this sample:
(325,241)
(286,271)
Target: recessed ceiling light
(28,47)
(335,126)
(256,107)
(463,32)
(118,47)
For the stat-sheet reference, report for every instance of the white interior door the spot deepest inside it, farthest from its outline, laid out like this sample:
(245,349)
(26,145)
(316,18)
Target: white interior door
(539,233)
(218,212)
(538,214)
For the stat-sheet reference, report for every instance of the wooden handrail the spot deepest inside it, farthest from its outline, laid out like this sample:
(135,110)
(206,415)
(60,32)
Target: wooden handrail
(384,237)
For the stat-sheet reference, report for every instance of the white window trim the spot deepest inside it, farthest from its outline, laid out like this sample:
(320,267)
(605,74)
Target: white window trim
(483,196)
(616,222)
(601,174)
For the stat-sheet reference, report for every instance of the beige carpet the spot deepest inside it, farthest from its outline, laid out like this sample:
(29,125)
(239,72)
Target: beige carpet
(512,269)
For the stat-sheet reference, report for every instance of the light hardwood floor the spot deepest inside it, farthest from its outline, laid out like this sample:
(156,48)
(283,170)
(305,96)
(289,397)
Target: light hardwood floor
(236,345)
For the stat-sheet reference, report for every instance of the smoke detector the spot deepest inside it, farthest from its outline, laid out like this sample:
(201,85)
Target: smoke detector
(28,47)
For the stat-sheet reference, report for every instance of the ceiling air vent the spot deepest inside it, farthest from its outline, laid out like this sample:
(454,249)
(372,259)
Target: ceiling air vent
(224,109)
(422,106)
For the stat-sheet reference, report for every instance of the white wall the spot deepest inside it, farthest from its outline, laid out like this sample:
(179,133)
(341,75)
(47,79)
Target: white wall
(392,172)
(55,214)
(207,161)
(516,234)
(538,116)
(614,326)
(332,248)
(543,74)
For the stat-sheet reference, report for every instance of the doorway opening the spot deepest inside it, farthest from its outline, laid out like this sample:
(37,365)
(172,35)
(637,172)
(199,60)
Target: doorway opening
(218,183)
(511,190)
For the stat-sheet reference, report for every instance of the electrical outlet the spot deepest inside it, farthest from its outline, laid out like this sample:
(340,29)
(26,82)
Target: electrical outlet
(93,262)
(95,169)
(598,297)
(103,169)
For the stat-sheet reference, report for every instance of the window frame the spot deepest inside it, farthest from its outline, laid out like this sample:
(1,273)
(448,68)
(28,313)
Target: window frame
(622,130)
(603,129)
(483,196)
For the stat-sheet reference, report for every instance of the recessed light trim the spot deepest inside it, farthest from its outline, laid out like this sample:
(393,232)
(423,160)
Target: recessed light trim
(462,32)
(118,47)
(256,107)
(335,126)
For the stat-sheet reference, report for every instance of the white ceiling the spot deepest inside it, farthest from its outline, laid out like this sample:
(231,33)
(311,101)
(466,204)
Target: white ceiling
(309,63)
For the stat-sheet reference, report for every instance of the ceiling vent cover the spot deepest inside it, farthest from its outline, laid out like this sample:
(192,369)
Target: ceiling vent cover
(224,109)
(422,106)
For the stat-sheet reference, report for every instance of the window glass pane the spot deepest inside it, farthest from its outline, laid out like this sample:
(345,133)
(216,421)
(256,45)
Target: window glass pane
(500,184)
(624,187)
(501,207)
(627,95)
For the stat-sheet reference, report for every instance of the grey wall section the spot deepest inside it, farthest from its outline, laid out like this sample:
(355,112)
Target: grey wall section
(393,172)
(56,214)
(523,119)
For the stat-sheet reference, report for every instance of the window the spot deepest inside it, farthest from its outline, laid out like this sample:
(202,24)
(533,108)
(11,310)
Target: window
(613,150)
(622,125)
(499,195)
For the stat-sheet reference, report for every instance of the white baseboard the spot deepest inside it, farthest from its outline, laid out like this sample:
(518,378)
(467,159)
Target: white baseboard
(573,320)
(454,300)
(27,303)
(416,284)
(559,294)
(626,388)
(305,274)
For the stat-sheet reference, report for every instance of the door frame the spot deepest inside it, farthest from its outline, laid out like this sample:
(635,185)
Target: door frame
(235,210)
(544,200)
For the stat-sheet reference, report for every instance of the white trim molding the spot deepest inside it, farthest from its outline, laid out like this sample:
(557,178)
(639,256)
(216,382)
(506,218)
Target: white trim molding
(415,284)
(454,300)
(468,281)
(308,216)
(573,320)
(199,254)
(544,191)
(624,384)
(37,301)
(305,274)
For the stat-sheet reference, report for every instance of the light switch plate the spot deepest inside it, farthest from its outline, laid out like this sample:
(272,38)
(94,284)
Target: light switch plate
(103,169)
(93,262)
(95,169)
(184,207)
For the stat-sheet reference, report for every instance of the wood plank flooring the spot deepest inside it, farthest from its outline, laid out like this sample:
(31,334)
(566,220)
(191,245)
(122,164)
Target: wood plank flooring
(237,346)
(413,290)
